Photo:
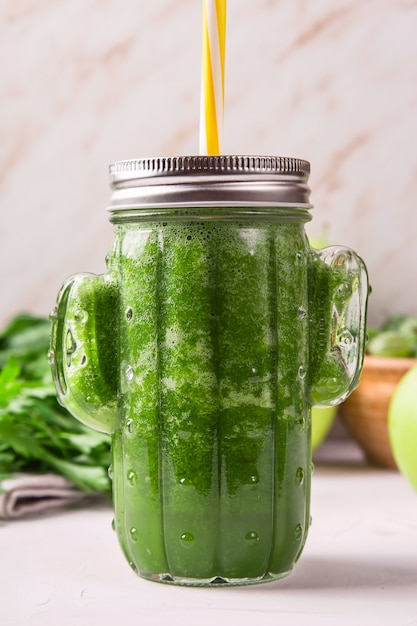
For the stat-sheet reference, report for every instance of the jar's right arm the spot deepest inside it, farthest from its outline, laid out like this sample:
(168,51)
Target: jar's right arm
(338,294)
(84,349)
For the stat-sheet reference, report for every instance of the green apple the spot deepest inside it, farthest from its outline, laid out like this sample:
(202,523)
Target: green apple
(322,419)
(402,425)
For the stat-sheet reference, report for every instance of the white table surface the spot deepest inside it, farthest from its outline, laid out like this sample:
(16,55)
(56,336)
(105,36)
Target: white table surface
(359,567)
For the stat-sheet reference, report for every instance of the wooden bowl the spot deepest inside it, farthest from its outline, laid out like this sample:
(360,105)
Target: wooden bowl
(365,412)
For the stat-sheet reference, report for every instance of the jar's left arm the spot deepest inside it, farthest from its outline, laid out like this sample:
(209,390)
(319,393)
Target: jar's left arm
(84,349)
(338,293)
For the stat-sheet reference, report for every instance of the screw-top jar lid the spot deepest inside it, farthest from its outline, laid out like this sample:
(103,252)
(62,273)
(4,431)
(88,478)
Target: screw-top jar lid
(196,181)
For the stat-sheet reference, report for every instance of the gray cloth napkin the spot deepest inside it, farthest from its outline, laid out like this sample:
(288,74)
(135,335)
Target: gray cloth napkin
(29,494)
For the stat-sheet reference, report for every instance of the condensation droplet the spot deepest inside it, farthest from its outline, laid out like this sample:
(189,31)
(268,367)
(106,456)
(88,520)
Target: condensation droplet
(298,531)
(110,472)
(53,315)
(254,478)
(134,535)
(299,256)
(51,357)
(129,373)
(113,524)
(130,425)
(302,372)
(252,537)
(184,480)
(299,476)
(132,477)
(84,360)
(302,312)
(187,540)
(344,290)
(311,467)
(80,316)
(310,520)
(345,338)
(129,313)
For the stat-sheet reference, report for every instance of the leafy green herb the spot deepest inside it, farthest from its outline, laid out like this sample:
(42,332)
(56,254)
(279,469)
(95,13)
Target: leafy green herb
(36,433)
(397,337)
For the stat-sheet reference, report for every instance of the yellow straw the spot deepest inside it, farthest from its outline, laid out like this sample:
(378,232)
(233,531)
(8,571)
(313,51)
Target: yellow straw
(212,76)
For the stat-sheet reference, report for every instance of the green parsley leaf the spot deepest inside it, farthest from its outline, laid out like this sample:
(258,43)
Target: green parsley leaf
(36,433)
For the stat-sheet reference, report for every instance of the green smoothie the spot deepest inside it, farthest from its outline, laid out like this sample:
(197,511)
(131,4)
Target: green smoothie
(202,350)
(215,424)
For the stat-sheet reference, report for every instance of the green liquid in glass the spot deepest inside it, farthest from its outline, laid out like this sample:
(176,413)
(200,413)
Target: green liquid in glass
(202,350)
(215,427)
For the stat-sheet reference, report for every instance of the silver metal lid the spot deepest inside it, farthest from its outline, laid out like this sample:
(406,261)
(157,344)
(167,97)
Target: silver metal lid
(203,181)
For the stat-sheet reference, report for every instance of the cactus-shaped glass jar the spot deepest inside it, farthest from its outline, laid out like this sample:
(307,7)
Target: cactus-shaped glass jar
(201,350)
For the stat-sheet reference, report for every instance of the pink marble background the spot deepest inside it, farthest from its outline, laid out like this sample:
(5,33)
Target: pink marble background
(87,82)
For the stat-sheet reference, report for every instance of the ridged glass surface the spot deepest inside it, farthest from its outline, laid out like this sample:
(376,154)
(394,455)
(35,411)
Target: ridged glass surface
(201,350)
(212,462)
